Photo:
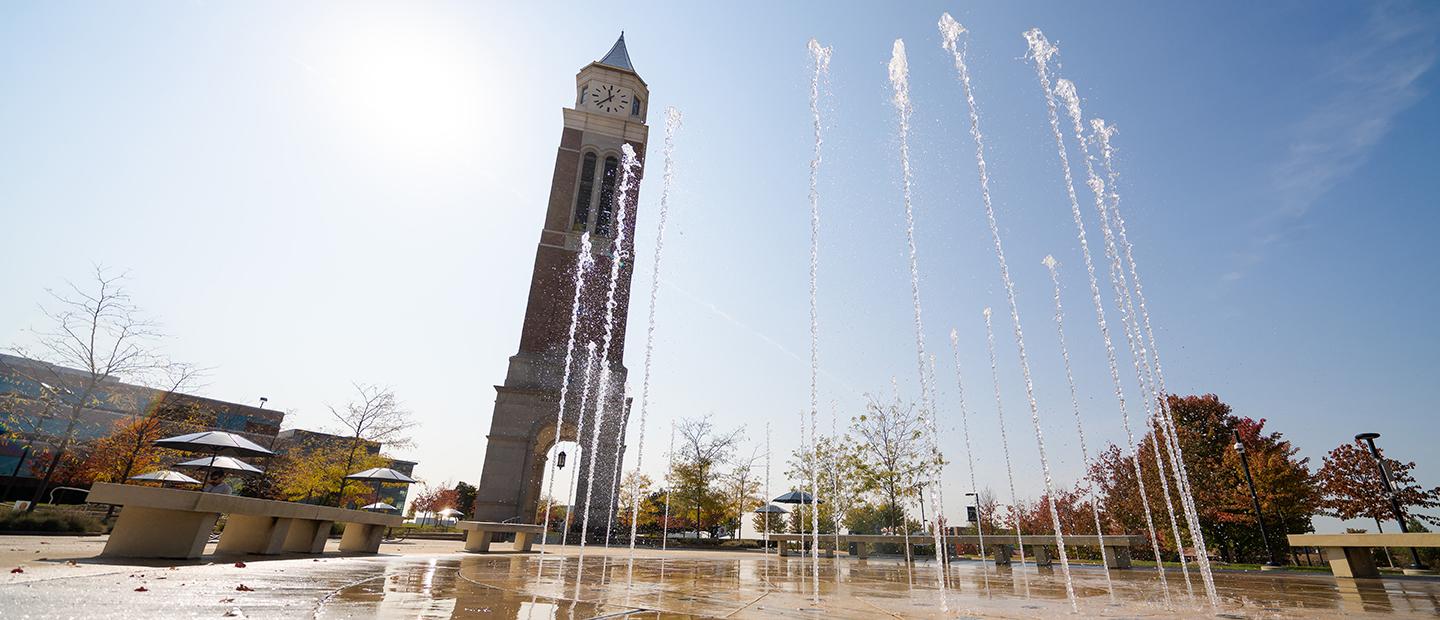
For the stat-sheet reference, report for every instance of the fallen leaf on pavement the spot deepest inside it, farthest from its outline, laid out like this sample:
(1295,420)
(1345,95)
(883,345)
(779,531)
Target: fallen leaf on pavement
(244,588)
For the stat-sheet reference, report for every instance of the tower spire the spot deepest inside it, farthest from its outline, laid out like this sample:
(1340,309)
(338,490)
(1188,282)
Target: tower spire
(618,57)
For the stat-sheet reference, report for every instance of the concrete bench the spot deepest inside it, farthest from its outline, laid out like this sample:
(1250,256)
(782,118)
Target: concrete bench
(479,533)
(1038,547)
(783,543)
(1000,548)
(157,522)
(1349,554)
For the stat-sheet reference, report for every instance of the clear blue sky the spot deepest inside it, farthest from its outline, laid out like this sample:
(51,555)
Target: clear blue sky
(309,195)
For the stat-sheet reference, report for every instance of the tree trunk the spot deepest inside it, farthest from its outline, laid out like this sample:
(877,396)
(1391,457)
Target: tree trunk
(349,462)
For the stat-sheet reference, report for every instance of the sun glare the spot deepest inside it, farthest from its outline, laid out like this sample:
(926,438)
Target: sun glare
(410,86)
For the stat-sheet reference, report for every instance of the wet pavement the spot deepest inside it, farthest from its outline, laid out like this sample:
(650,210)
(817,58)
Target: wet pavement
(429,580)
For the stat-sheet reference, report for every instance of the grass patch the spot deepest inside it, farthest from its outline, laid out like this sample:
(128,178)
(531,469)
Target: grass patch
(50,521)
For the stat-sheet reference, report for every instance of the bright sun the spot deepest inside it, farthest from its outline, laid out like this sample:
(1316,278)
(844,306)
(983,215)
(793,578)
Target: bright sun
(410,85)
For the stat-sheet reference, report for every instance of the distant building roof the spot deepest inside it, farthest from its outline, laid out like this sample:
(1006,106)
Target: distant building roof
(618,57)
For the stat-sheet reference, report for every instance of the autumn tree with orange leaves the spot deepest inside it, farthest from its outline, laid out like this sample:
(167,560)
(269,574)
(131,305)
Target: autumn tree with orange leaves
(1352,488)
(1287,489)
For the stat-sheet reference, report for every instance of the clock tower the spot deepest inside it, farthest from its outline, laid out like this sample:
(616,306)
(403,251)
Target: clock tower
(611,103)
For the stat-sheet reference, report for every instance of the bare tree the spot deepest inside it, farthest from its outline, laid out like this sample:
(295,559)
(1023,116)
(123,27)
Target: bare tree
(891,458)
(98,332)
(702,451)
(743,484)
(375,416)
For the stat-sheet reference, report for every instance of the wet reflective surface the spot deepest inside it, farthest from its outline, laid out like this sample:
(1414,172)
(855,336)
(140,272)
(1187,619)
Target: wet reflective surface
(613,585)
(675,584)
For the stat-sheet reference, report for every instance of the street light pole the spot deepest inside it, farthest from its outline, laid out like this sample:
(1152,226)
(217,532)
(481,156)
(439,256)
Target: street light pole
(921,492)
(1255,500)
(1369,439)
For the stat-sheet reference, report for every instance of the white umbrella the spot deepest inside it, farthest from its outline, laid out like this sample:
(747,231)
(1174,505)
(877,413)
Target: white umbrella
(165,477)
(215,443)
(450,512)
(222,462)
(378,506)
(219,443)
(381,474)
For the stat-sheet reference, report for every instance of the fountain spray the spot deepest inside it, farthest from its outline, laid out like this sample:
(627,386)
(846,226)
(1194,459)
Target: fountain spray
(672,123)
(1050,264)
(1040,52)
(665,524)
(900,85)
(969,455)
(618,253)
(1065,90)
(1004,439)
(951,31)
(583,261)
(580,432)
(1177,459)
(820,55)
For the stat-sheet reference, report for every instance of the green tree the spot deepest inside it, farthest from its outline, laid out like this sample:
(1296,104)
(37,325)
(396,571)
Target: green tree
(465,497)
(375,416)
(698,501)
(742,486)
(890,458)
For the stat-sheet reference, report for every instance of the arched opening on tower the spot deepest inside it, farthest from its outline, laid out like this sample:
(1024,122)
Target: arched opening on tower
(565,479)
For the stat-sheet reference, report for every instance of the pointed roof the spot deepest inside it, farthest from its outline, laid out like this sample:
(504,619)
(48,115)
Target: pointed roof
(618,57)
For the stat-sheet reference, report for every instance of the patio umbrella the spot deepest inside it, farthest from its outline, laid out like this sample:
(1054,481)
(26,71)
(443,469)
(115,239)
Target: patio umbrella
(378,476)
(217,443)
(378,506)
(165,477)
(381,474)
(767,510)
(228,463)
(798,497)
(214,443)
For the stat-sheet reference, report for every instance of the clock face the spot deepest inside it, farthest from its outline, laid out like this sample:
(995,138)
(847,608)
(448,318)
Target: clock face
(610,98)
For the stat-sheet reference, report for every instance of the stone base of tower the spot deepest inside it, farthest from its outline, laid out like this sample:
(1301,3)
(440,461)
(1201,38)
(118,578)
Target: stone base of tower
(522,432)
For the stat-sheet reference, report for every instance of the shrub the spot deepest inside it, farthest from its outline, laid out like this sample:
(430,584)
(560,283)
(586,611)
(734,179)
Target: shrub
(739,544)
(49,521)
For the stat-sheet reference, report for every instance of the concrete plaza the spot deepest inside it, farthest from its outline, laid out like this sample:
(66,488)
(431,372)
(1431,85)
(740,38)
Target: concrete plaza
(433,579)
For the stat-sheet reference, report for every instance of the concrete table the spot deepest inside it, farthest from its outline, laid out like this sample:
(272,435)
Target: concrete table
(479,533)
(1349,554)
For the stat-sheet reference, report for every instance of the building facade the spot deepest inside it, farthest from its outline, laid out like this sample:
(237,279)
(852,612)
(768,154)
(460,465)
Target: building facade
(37,403)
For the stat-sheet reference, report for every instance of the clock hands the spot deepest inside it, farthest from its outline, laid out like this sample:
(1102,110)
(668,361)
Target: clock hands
(612,92)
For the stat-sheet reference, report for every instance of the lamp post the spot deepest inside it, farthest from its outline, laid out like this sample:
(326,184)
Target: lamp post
(1270,562)
(1369,439)
(920,490)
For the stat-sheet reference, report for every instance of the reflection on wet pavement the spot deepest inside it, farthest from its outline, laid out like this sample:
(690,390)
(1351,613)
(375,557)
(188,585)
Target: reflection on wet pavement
(563,587)
(678,584)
